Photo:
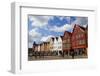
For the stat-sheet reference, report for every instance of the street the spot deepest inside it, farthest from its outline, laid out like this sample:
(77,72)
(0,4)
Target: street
(55,57)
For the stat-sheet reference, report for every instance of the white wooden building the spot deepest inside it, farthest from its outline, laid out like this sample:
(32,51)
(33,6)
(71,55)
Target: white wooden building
(59,44)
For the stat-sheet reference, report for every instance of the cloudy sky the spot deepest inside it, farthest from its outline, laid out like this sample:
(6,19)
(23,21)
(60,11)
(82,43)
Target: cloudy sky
(40,28)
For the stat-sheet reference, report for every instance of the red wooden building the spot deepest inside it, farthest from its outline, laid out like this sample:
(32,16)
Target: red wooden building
(79,40)
(66,41)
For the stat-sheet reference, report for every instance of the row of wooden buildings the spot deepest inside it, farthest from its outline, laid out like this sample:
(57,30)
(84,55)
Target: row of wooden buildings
(76,41)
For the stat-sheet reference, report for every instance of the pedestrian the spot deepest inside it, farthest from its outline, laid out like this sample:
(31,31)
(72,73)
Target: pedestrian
(72,54)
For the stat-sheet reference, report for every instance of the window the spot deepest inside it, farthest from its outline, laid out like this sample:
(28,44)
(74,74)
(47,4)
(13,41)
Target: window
(68,40)
(80,42)
(83,41)
(79,35)
(76,36)
(72,38)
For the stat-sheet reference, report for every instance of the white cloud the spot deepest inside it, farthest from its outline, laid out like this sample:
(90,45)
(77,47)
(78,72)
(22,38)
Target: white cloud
(84,25)
(61,29)
(30,45)
(39,21)
(46,38)
(33,33)
(68,18)
(33,36)
(64,17)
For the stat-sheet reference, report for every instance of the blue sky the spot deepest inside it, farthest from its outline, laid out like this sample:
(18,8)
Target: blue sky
(40,28)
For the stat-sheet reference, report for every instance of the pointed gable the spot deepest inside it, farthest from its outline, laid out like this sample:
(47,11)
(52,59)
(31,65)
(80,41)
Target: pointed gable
(77,27)
(66,34)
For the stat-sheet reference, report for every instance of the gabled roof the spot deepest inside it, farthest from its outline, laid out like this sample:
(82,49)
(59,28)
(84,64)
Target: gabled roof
(82,27)
(87,27)
(76,25)
(61,37)
(56,38)
(67,32)
(52,38)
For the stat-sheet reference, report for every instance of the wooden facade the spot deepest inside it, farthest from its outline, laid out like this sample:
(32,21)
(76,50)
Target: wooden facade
(38,47)
(66,40)
(79,39)
(42,46)
(59,43)
(46,46)
(55,45)
(51,44)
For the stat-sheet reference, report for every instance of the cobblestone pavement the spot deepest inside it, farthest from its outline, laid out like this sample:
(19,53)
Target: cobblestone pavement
(54,57)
